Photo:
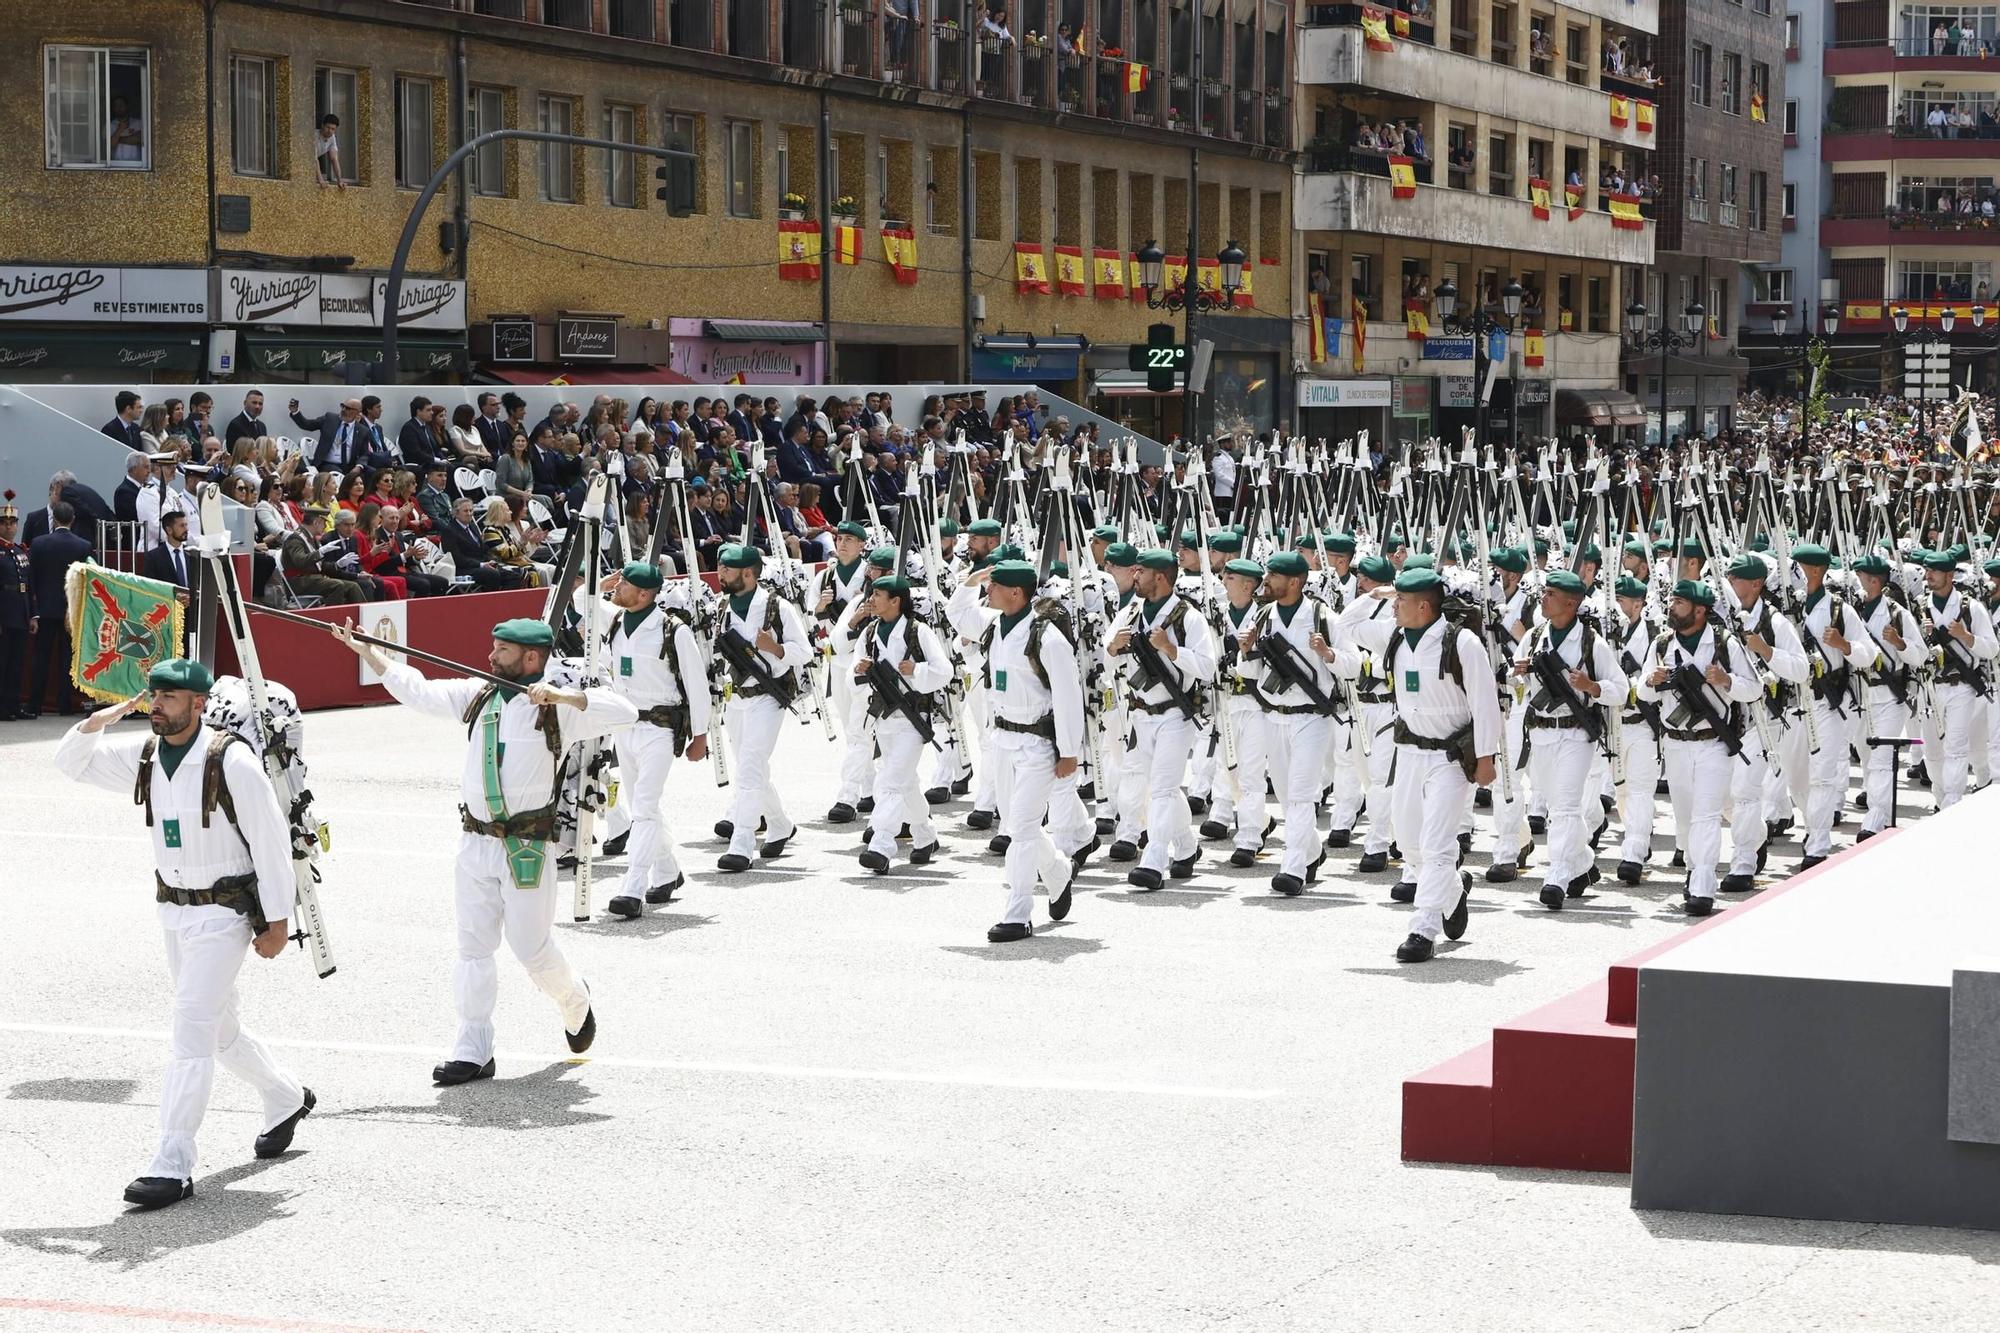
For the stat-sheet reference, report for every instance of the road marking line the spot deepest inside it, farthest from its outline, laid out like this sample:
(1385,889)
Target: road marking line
(188,1316)
(968,1079)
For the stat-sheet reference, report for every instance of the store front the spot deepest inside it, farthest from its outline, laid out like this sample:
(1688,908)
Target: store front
(745,351)
(325,328)
(80,324)
(1052,363)
(1246,387)
(1339,410)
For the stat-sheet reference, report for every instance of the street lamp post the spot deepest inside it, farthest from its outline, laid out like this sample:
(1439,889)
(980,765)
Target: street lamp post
(1481,326)
(1905,339)
(1189,298)
(1829,318)
(1665,340)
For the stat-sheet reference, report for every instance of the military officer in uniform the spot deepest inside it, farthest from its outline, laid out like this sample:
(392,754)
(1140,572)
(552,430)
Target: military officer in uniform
(1771,639)
(17,613)
(1296,732)
(1961,645)
(1632,637)
(1889,685)
(894,640)
(838,587)
(771,634)
(1362,776)
(1834,640)
(1239,795)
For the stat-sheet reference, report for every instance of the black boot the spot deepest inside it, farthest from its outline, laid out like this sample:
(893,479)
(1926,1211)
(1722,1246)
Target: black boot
(625,905)
(1214,830)
(1738,883)
(937,795)
(842,813)
(274,1141)
(1415,949)
(615,846)
(1372,863)
(1142,878)
(1183,868)
(1454,925)
(999,844)
(158,1191)
(1630,872)
(1552,897)
(1502,872)
(1123,851)
(979,819)
(1007,932)
(866,805)
(1339,838)
(1698,906)
(1289,885)
(1403,892)
(1243,856)
(664,893)
(875,861)
(454,1072)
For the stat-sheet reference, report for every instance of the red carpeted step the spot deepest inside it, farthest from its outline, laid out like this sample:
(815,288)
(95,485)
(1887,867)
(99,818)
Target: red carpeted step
(1448,1110)
(1562,1087)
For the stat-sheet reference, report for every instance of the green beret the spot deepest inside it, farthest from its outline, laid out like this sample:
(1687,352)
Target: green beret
(1418,580)
(1871,564)
(1562,580)
(741,557)
(1593,554)
(178,673)
(1630,587)
(1229,543)
(947,529)
(1104,532)
(1190,538)
(891,583)
(1748,566)
(1154,557)
(1250,569)
(1009,551)
(641,575)
(983,527)
(1698,593)
(1122,554)
(1289,563)
(1940,560)
(1510,558)
(1422,560)
(1569,528)
(1691,548)
(526,631)
(1059,569)
(1959,551)
(1394,543)
(1812,553)
(1992,568)
(1014,574)
(1340,543)
(1635,547)
(1760,543)
(883,557)
(1375,568)
(1541,546)
(849,528)
(1240,529)
(1159,532)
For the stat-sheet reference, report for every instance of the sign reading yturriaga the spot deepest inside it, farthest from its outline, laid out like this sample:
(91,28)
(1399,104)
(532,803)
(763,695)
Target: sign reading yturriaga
(337,300)
(92,295)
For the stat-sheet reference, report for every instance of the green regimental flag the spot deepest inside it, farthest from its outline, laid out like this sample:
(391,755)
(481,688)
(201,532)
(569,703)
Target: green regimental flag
(120,626)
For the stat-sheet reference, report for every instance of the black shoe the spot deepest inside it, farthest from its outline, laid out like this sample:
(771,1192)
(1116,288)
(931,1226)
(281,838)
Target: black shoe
(1464,844)
(1372,863)
(979,819)
(1605,803)
(158,1191)
(903,833)
(875,861)
(771,851)
(1597,839)
(1403,892)
(961,787)
(1483,799)
(1289,885)
(1243,856)
(1081,855)
(1502,872)
(579,1040)
(1214,830)
(615,846)
(1415,949)
(625,905)
(1680,860)
(1123,851)
(1312,871)
(1183,868)
(1538,824)
(1106,827)
(1660,787)
(1007,932)
(1339,838)
(273,1142)
(724,829)
(999,843)
(1630,872)
(1142,878)
(1864,835)
(1454,925)
(1861,801)
(937,795)
(1197,805)
(1738,883)
(664,893)
(453,1072)
(1808,862)
(866,805)
(1920,776)
(733,862)
(1059,905)
(1698,906)
(842,813)
(1763,853)
(1552,896)
(1395,852)
(921,856)
(567,861)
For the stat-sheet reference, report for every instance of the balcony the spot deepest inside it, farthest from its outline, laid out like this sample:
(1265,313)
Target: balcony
(1889,226)
(1909,55)
(1358,201)
(1883,143)
(1641,14)
(1340,57)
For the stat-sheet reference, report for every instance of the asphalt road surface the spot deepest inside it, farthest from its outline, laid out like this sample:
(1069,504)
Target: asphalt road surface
(820,1100)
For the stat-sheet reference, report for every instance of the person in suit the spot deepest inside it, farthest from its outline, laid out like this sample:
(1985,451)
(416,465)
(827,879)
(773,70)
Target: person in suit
(17,609)
(307,557)
(340,434)
(124,427)
(250,421)
(377,453)
(416,439)
(172,561)
(466,545)
(492,428)
(49,559)
(124,500)
(704,531)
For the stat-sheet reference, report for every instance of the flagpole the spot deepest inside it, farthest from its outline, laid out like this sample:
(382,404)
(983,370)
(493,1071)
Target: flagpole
(445,662)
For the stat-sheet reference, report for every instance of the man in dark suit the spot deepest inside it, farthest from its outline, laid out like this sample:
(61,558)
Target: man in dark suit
(17,610)
(250,421)
(375,447)
(340,434)
(171,561)
(138,471)
(467,548)
(415,441)
(91,509)
(49,559)
(124,427)
(493,432)
(703,531)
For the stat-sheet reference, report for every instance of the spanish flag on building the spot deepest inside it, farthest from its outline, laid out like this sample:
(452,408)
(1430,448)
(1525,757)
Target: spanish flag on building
(846,244)
(1137,76)
(1315,329)
(1538,197)
(1645,113)
(1031,268)
(899,247)
(1568,321)
(1533,348)
(1757,108)
(1621,112)
(1175,275)
(1402,178)
(1243,297)
(1625,213)
(798,251)
(1714,328)
(1416,318)
(1573,199)
(1208,277)
(1360,336)
(1107,273)
(1069,270)
(1136,286)
(1375,29)
(1401,22)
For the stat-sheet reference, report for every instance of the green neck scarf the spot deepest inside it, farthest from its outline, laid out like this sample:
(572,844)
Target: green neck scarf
(739,603)
(1688,642)
(1238,614)
(1410,636)
(1009,619)
(844,573)
(1285,613)
(884,628)
(1152,609)
(171,754)
(634,619)
(1556,636)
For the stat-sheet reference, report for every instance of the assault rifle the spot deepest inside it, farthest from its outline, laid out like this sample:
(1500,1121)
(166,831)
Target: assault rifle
(745,660)
(1284,659)
(1690,687)
(889,689)
(1157,670)
(1550,670)
(1650,711)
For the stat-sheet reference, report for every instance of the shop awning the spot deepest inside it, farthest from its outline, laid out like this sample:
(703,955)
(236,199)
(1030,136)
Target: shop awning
(132,354)
(309,354)
(1126,384)
(536,376)
(1598,407)
(764,331)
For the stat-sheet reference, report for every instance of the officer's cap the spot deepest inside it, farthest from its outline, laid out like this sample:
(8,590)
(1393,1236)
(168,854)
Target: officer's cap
(1288,563)
(1698,593)
(1562,580)
(1249,569)
(1014,574)
(1123,554)
(1155,557)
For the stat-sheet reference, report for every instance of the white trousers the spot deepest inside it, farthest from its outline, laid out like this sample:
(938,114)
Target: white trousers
(1826,770)
(645,756)
(203,958)
(1207,762)
(1746,801)
(899,800)
(1240,795)
(1879,761)
(1161,743)
(490,907)
(1948,743)
(1024,777)
(753,732)
(1558,762)
(857,761)
(1642,775)
(1428,802)
(1698,781)
(1297,748)
(1510,818)
(1365,778)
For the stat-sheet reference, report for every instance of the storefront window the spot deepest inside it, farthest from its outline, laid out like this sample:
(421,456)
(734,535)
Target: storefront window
(1243,392)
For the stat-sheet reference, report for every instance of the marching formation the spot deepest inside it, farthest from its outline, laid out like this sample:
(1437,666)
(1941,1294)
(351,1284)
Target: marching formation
(1329,658)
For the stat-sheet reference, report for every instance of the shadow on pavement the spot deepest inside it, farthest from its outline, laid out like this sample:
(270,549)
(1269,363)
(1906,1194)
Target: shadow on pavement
(544,1099)
(98,1090)
(1981,1247)
(1305,902)
(648,927)
(135,1237)
(1043,948)
(1446,970)
(1163,897)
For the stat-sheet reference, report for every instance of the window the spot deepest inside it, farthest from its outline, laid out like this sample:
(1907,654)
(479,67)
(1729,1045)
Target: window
(1778,286)
(1792,116)
(882,203)
(1718,306)
(1759,189)
(1732,84)
(930,190)
(681,131)
(98,104)
(486,111)
(1761,6)
(337,92)
(1956,279)
(414,160)
(253,129)
(1725,195)
(621,124)
(1790,200)
(1791,29)
(552,116)
(1700,59)
(1697,195)
(739,167)
(784,170)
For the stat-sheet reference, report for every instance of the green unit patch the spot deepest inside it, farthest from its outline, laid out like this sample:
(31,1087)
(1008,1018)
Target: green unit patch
(1000,680)
(1411,681)
(170,830)
(624,666)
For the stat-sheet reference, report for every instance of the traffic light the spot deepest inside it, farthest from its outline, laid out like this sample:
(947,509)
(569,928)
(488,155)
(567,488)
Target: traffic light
(676,177)
(1161,357)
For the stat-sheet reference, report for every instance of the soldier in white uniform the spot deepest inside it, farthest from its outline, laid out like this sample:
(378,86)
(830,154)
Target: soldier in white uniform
(1561,753)
(894,640)
(1835,640)
(1296,729)
(1633,636)
(1515,611)
(1239,795)
(857,766)
(1035,736)
(1121,805)
(1961,645)
(1890,684)
(836,588)
(1447,721)
(1203,588)
(506,870)
(1771,638)
(224,883)
(769,635)
(1365,775)
(655,662)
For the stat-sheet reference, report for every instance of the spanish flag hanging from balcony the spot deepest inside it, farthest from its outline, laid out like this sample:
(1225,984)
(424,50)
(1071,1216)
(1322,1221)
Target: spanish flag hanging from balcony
(1538,197)
(1070,279)
(1645,116)
(1031,268)
(1757,108)
(1402,178)
(1137,274)
(1107,273)
(1137,76)
(1573,199)
(1401,22)
(1243,297)
(1533,348)
(1625,213)
(899,247)
(798,251)
(1714,329)
(1417,319)
(1315,329)
(1360,336)
(1568,321)
(1208,277)
(846,244)
(1621,112)
(1375,29)
(1175,275)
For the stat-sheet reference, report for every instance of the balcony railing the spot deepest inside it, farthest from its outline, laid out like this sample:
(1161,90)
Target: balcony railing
(1697,210)
(1726,214)
(1981,46)
(1422,26)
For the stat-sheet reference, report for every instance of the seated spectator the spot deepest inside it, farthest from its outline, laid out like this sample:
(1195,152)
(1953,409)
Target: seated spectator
(311,561)
(395,554)
(507,544)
